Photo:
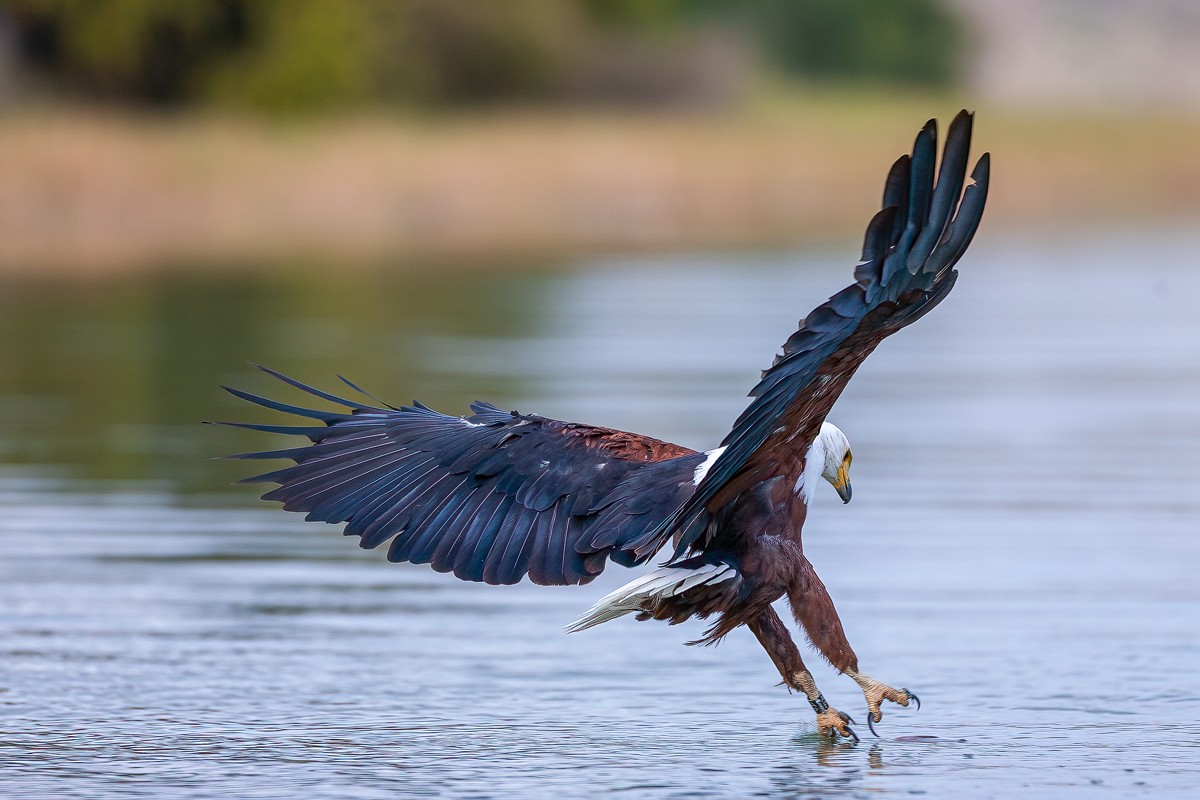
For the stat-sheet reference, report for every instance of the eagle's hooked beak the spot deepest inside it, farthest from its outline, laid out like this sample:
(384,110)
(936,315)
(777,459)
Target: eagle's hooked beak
(842,484)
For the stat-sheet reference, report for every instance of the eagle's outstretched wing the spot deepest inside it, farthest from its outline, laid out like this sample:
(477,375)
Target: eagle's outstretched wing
(499,495)
(491,497)
(908,257)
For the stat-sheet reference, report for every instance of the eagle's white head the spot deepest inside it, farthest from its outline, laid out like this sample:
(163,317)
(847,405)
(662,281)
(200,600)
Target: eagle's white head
(829,456)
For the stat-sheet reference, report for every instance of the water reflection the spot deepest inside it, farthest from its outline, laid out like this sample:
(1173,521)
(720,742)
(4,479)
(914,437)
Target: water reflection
(111,378)
(1020,551)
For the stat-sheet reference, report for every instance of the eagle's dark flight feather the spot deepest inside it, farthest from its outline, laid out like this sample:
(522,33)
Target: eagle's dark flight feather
(907,264)
(491,497)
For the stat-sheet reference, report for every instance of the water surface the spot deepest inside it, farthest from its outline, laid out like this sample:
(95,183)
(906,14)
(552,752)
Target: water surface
(1021,550)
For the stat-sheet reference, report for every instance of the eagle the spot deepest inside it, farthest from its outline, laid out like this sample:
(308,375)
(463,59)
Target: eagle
(500,495)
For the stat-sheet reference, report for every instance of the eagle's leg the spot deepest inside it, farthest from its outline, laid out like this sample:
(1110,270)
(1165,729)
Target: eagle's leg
(774,637)
(815,612)
(876,693)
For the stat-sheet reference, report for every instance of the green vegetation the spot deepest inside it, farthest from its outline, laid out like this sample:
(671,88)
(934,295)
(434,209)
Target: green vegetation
(914,42)
(302,55)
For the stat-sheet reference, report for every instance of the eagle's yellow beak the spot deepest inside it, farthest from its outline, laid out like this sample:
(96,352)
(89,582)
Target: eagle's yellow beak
(842,484)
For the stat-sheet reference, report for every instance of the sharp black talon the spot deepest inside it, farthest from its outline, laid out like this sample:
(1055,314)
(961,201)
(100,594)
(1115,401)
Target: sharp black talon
(871,724)
(912,696)
(853,735)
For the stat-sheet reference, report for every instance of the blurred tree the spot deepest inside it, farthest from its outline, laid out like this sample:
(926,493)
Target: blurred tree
(637,13)
(896,41)
(915,42)
(289,55)
(144,48)
(303,55)
(298,55)
(473,50)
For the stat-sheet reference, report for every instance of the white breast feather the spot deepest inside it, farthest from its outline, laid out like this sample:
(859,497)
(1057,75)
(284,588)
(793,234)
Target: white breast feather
(829,440)
(814,462)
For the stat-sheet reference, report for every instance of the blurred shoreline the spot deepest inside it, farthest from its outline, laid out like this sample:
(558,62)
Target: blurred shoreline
(101,192)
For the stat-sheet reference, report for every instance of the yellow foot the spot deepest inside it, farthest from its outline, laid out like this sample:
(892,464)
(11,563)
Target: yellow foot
(832,722)
(876,693)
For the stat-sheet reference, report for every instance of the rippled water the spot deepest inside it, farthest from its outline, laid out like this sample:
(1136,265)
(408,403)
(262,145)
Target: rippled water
(1021,551)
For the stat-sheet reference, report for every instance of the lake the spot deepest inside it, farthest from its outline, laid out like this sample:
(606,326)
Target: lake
(1021,551)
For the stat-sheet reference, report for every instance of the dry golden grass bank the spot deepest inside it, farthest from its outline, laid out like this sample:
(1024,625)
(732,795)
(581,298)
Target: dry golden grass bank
(87,191)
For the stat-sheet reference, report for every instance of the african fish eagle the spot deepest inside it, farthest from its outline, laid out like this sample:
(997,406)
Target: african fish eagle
(499,495)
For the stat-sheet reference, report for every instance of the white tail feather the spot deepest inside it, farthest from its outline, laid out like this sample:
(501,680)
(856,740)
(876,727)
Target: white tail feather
(654,586)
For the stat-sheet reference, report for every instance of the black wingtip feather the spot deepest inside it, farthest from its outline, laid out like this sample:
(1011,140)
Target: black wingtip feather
(966,221)
(924,159)
(947,191)
(974,201)
(895,193)
(895,188)
(328,417)
(365,393)
(306,388)
(287,430)
(875,242)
